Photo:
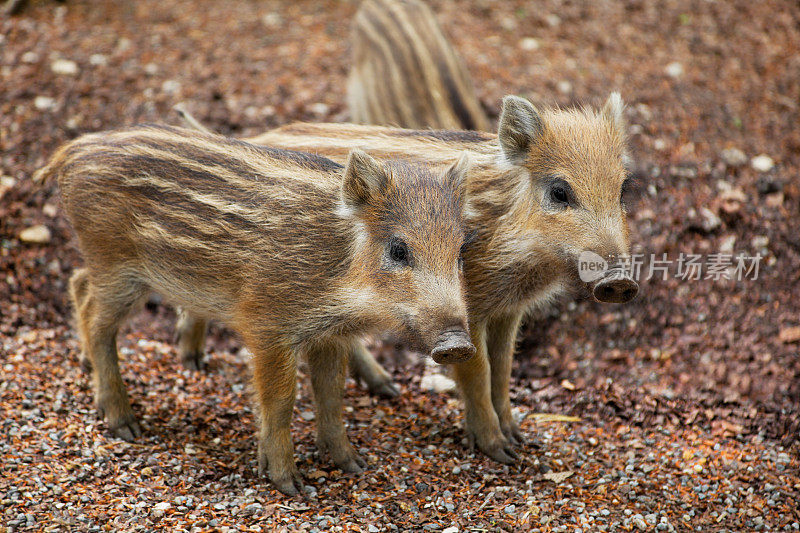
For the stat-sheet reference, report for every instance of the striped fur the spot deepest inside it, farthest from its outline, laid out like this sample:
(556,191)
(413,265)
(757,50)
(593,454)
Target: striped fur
(527,244)
(405,73)
(293,251)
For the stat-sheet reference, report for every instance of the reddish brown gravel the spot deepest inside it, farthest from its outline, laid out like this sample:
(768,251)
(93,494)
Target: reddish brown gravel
(681,410)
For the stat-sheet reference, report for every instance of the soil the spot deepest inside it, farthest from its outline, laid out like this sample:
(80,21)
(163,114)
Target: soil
(677,411)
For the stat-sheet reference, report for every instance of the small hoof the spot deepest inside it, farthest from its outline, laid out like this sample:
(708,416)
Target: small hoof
(128,430)
(290,485)
(354,464)
(195,361)
(386,389)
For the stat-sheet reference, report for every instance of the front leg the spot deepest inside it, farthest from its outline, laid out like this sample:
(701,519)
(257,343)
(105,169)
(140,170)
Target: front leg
(365,368)
(501,339)
(275,384)
(328,365)
(482,425)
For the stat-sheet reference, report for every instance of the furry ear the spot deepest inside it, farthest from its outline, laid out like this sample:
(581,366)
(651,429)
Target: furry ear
(520,126)
(456,177)
(612,111)
(364,177)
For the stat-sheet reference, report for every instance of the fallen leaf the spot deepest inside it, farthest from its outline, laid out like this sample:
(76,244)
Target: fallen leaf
(551,417)
(789,335)
(557,477)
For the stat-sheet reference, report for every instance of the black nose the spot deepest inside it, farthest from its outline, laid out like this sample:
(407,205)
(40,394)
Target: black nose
(615,290)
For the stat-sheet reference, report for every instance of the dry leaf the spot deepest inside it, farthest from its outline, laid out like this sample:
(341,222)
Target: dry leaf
(551,417)
(557,477)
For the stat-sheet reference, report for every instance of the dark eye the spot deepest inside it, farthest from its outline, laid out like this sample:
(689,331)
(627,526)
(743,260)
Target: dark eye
(398,252)
(559,194)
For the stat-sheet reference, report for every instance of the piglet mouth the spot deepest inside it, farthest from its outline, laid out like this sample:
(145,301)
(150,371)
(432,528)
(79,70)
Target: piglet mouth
(453,346)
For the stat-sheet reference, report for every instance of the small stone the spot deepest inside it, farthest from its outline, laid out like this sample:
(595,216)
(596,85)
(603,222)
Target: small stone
(660,145)
(272,20)
(529,44)
(6,184)
(510,509)
(760,242)
(726,245)
(38,234)
(733,157)
(564,87)
(674,69)
(30,57)
(162,506)
(64,67)
(372,529)
(552,20)
(438,383)
(789,335)
(98,60)
(151,69)
(762,163)
(44,103)
(319,109)
(307,415)
(710,220)
(171,86)
(49,210)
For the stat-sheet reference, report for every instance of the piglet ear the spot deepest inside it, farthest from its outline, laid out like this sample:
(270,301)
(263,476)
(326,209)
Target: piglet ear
(455,177)
(520,127)
(364,178)
(612,111)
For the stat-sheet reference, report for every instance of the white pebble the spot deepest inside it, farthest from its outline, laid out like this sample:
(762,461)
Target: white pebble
(64,67)
(171,86)
(38,234)
(30,57)
(98,60)
(762,163)
(674,69)
(564,87)
(529,43)
(44,103)
(438,383)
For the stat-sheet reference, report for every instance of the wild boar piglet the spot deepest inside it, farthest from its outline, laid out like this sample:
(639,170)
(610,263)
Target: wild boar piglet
(299,255)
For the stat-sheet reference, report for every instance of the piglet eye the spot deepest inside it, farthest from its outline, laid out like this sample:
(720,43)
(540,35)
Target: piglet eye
(559,194)
(398,252)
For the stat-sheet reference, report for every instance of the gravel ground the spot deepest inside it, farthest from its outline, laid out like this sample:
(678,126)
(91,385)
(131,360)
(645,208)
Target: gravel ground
(679,411)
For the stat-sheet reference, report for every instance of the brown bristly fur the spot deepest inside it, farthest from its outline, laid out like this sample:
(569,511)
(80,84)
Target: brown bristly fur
(526,245)
(290,249)
(405,73)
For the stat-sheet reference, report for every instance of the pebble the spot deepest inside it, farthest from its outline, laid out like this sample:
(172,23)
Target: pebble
(38,234)
(64,67)
(564,87)
(437,382)
(674,69)
(529,44)
(44,103)
(171,86)
(30,57)
(733,157)
(762,163)
(98,60)
(319,109)
(307,415)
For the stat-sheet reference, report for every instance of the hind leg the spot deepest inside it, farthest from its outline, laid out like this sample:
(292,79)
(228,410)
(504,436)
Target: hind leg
(365,368)
(78,288)
(191,336)
(104,306)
